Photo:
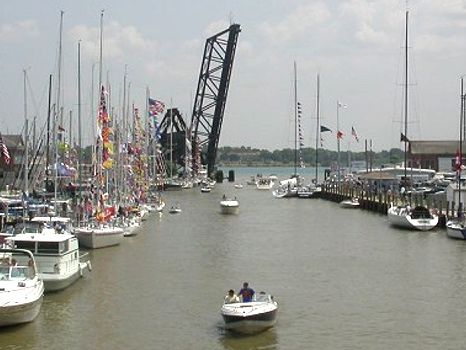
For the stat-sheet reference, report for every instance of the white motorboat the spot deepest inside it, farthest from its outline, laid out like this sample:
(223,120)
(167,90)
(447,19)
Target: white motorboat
(264,183)
(99,236)
(206,188)
(251,317)
(131,226)
(285,192)
(238,186)
(56,254)
(229,205)
(456,228)
(175,209)
(21,289)
(419,218)
(350,203)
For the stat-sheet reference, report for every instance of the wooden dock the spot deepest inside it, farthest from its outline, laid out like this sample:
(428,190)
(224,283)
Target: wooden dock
(378,201)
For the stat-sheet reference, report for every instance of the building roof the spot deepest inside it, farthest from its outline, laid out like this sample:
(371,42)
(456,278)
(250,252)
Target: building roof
(435,147)
(13,141)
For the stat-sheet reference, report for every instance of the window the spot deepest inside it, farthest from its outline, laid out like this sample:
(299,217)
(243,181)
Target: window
(47,248)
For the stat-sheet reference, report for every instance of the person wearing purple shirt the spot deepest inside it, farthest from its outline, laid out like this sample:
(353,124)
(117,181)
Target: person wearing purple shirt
(246,293)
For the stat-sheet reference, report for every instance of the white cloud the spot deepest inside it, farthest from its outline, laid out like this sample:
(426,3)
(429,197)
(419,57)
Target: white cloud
(119,41)
(301,20)
(19,30)
(216,27)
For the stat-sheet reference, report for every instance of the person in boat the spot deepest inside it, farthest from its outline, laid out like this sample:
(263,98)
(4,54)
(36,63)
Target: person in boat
(231,297)
(246,293)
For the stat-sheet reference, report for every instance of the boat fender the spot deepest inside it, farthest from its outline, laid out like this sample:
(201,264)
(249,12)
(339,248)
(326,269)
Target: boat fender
(89,266)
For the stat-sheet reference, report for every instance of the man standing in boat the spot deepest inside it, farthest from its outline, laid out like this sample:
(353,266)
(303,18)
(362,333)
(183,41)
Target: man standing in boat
(246,293)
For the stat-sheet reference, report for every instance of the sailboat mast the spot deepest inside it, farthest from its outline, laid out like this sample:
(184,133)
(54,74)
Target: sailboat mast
(100,47)
(406,98)
(60,61)
(460,161)
(26,143)
(80,154)
(49,109)
(317,125)
(295,119)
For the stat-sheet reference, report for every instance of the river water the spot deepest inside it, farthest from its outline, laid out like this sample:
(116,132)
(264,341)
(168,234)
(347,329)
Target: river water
(344,279)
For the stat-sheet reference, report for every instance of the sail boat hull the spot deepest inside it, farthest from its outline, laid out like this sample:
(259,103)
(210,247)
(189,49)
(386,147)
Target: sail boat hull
(418,219)
(95,238)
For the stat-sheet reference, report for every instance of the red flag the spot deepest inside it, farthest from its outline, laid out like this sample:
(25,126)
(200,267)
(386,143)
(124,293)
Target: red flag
(339,135)
(458,160)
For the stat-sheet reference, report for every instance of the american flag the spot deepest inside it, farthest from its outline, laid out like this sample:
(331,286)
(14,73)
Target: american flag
(339,135)
(4,151)
(353,132)
(155,106)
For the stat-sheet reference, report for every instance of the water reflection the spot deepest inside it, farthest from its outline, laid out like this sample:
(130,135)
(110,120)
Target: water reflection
(260,341)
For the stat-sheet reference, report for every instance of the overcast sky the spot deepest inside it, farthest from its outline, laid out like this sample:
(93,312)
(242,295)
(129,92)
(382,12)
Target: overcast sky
(355,45)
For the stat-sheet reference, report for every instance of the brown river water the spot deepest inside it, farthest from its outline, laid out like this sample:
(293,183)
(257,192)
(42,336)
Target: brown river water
(344,279)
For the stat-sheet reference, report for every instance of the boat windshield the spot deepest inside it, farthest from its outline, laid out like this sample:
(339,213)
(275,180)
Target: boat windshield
(14,273)
(263,297)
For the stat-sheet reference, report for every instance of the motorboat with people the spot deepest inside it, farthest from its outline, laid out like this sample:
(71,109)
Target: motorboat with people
(175,209)
(419,218)
(229,205)
(264,183)
(250,317)
(21,289)
(350,203)
(56,254)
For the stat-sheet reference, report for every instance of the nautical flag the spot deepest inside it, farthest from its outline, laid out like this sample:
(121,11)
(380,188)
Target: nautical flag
(155,106)
(458,160)
(353,132)
(4,151)
(324,129)
(61,128)
(339,135)
(403,138)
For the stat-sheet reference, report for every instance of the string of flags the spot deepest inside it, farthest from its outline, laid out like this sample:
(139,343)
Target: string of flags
(301,138)
(4,152)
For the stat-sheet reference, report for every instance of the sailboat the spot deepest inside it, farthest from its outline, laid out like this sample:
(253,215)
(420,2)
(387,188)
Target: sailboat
(456,227)
(312,189)
(419,218)
(289,187)
(101,233)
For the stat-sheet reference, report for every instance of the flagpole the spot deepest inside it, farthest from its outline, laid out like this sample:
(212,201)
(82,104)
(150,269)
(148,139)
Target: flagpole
(318,126)
(295,119)
(338,143)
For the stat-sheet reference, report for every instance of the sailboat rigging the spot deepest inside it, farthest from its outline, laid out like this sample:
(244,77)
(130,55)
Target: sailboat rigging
(420,217)
(456,227)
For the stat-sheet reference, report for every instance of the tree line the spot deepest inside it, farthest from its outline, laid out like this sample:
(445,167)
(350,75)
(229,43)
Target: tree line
(247,156)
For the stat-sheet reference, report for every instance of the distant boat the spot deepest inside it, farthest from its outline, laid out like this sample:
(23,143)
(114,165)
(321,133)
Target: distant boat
(229,205)
(264,183)
(350,203)
(206,189)
(175,209)
(238,186)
